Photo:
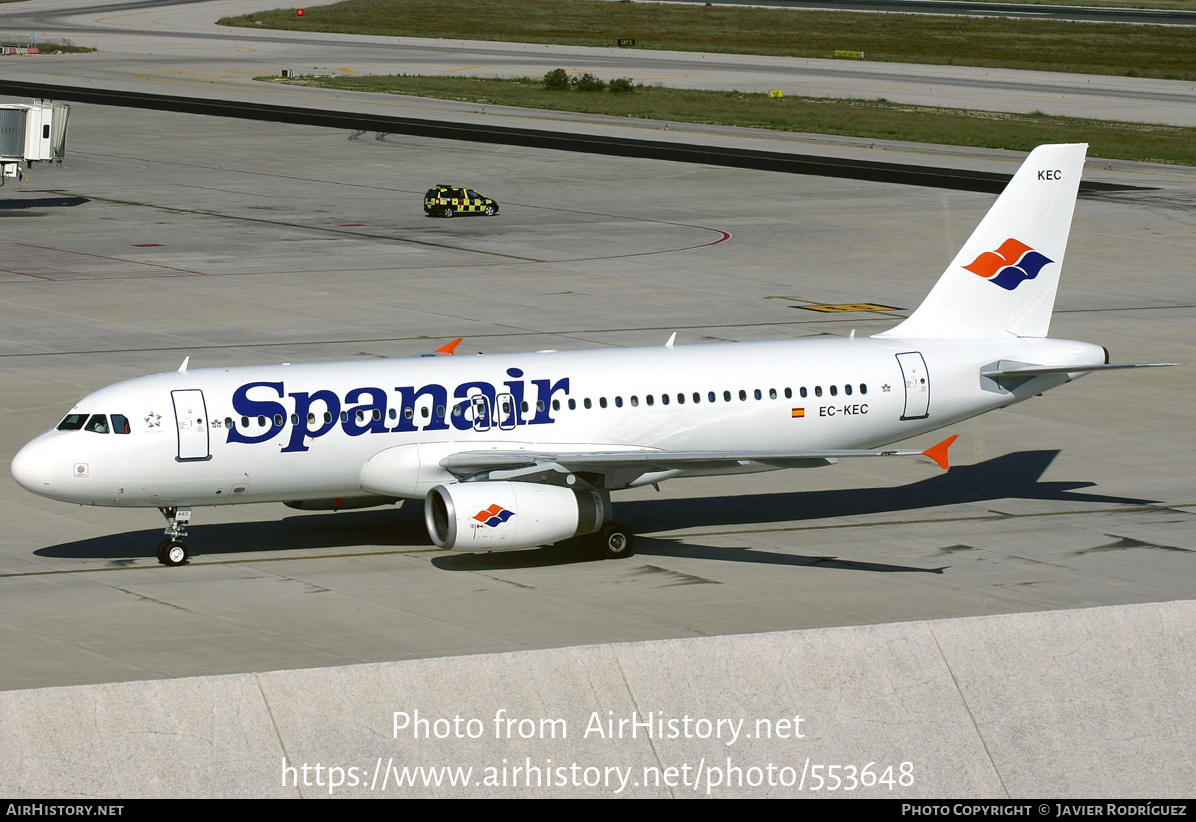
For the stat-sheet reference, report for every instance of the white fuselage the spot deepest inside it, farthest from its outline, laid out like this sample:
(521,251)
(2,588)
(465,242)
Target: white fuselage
(301,432)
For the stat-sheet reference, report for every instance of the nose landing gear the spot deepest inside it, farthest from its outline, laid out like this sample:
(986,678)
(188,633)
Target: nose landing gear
(173,549)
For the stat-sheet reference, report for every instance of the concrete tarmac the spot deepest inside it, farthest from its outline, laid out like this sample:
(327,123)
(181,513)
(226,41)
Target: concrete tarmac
(170,235)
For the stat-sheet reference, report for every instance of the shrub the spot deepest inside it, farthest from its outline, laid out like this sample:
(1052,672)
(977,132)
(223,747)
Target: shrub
(621,85)
(556,80)
(588,82)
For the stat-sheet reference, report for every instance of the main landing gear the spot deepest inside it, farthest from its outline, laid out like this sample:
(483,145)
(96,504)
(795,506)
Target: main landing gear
(173,549)
(613,541)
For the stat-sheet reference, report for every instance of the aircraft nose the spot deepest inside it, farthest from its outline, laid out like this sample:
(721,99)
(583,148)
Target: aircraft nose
(32,468)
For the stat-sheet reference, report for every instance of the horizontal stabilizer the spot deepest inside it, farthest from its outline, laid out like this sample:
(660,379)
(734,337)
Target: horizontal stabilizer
(1021,370)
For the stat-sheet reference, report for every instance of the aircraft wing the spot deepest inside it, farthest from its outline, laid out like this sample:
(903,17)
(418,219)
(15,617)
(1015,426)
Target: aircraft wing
(631,465)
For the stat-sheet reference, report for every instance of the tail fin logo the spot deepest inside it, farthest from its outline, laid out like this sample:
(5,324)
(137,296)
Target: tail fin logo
(493,516)
(1010,265)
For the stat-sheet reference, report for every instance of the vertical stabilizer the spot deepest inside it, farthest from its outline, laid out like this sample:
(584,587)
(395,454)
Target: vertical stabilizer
(1003,281)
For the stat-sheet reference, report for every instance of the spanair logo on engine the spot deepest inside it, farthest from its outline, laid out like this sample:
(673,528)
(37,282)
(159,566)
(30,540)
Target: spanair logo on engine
(493,516)
(1010,265)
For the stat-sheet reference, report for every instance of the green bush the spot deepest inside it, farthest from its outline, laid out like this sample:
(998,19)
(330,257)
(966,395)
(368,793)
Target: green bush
(556,80)
(588,82)
(621,85)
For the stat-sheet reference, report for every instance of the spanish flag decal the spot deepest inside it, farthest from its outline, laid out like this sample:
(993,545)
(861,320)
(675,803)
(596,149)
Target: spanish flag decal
(798,412)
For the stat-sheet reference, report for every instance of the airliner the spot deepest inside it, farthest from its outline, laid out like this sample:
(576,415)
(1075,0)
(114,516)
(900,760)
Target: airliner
(514,451)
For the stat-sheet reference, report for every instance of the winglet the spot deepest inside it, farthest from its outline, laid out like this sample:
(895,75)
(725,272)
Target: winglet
(938,453)
(448,348)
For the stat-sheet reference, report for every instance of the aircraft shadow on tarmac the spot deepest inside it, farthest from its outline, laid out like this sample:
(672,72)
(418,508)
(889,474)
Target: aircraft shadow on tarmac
(28,203)
(1012,476)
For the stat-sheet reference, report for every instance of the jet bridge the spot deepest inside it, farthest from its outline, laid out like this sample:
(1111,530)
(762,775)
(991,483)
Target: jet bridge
(31,133)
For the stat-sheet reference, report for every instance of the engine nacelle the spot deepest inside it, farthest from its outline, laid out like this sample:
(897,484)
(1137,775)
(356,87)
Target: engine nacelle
(506,516)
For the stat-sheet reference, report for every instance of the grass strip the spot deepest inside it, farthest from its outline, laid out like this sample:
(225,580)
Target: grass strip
(1042,45)
(865,119)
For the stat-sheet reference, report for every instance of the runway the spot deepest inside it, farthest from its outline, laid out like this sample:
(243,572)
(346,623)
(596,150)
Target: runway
(178,49)
(170,235)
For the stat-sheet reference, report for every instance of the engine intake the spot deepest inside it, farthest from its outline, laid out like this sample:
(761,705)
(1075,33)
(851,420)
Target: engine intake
(507,516)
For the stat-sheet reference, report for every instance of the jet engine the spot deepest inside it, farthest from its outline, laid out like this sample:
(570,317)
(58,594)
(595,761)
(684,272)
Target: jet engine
(506,516)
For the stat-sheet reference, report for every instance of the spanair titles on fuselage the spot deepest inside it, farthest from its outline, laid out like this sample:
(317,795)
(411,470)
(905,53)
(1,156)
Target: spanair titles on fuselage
(473,405)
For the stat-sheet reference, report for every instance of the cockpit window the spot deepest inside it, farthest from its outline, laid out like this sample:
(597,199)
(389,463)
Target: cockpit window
(72,422)
(120,424)
(97,423)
